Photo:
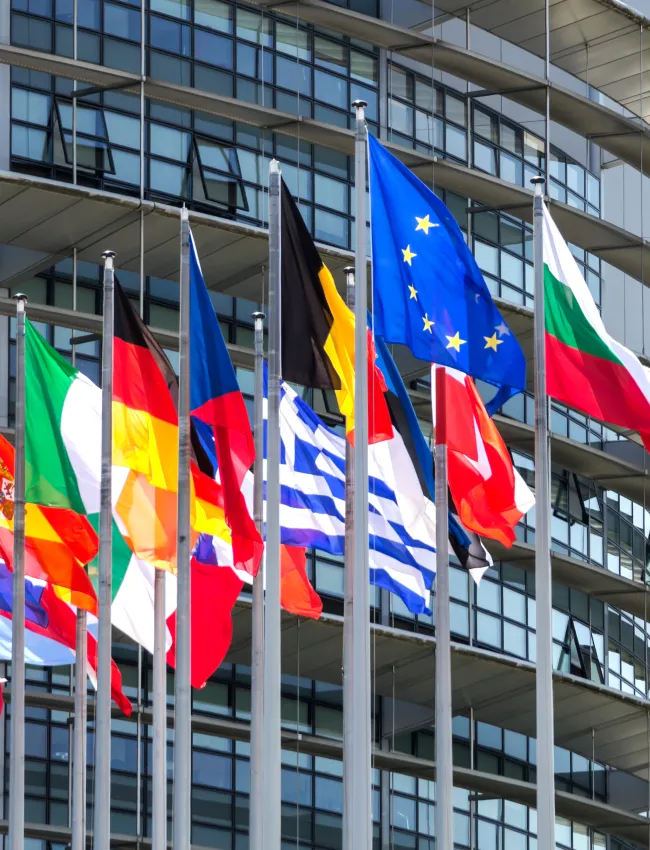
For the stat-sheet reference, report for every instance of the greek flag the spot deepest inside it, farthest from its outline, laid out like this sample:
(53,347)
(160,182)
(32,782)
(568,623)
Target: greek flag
(401,520)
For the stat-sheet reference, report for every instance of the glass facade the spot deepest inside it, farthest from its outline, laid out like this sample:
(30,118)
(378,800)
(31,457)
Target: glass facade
(219,167)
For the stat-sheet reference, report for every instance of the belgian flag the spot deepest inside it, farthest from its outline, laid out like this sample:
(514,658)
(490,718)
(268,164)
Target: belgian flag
(318,328)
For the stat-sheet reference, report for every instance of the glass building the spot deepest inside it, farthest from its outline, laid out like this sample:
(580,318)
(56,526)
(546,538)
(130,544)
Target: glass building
(108,124)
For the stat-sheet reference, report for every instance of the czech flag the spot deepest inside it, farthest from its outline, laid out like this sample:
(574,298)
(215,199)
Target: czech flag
(218,410)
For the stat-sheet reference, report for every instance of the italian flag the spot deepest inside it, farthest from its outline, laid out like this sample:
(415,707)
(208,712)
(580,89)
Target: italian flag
(585,367)
(63,469)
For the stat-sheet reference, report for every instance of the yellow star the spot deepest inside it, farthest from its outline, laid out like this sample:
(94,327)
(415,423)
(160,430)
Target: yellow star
(427,323)
(455,341)
(492,341)
(413,291)
(424,224)
(408,254)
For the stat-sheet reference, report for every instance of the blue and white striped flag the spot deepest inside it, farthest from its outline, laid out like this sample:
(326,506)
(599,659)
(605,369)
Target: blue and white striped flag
(312,514)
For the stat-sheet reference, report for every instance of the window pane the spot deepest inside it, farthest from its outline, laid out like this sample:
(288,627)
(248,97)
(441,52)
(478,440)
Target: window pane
(331,228)
(213,14)
(168,35)
(293,75)
(30,106)
(330,54)
(292,41)
(213,49)
(165,141)
(254,27)
(118,20)
(401,117)
(174,8)
(363,67)
(331,89)
(168,178)
(123,130)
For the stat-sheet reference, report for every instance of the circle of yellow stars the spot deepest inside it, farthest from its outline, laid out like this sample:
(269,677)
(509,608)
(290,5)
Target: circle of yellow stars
(453,342)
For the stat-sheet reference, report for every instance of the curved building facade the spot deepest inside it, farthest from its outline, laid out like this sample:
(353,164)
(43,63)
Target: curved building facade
(109,123)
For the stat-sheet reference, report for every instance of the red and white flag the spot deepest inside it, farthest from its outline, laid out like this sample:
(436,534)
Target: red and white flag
(490,495)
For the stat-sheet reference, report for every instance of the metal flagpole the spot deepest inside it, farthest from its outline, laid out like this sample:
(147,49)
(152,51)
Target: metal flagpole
(159,743)
(272,637)
(544,641)
(348,616)
(79,736)
(257,663)
(361,720)
(183,696)
(444,760)
(102,824)
(80,722)
(17,725)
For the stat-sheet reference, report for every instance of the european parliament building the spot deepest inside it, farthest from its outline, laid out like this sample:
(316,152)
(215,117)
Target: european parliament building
(113,113)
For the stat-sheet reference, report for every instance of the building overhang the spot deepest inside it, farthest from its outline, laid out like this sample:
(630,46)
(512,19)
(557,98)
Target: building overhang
(622,135)
(622,249)
(590,719)
(595,813)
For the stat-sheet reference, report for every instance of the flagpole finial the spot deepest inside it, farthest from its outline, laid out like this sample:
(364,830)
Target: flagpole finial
(274,167)
(258,314)
(184,213)
(108,257)
(20,298)
(348,270)
(359,107)
(538,184)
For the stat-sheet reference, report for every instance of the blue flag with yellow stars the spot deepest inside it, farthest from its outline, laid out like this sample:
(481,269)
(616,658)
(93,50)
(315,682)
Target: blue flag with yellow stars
(429,294)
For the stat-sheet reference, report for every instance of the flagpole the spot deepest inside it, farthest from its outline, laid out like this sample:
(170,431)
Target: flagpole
(79,735)
(360,774)
(183,696)
(102,822)
(272,623)
(17,725)
(544,608)
(257,662)
(159,742)
(80,722)
(443,709)
(348,616)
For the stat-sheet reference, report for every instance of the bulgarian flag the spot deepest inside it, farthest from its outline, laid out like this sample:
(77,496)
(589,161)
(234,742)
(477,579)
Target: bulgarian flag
(585,367)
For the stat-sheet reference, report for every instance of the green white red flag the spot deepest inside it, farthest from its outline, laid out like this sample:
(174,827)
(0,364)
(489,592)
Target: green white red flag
(585,367)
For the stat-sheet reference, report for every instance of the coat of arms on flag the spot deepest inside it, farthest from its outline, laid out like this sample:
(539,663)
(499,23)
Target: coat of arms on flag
(6,492)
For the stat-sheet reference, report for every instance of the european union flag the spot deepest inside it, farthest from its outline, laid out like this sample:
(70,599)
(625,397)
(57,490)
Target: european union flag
(428,291)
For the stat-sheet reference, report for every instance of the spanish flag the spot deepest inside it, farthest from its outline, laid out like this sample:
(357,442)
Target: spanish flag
(58,542)
(318,328)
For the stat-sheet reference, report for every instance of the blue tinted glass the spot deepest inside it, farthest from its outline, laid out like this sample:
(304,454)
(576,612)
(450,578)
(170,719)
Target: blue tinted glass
(36,7)
(213,49)
(174,8)
(293,75)
(122,129)
(210,769)
(168,178)
(29,32)
(30,106)
(87,12)
(118,20)
(28,142)
(331,89)
(170,36)
(127,167)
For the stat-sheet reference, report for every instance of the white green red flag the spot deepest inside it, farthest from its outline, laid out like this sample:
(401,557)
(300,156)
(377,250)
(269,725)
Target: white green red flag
(585,367)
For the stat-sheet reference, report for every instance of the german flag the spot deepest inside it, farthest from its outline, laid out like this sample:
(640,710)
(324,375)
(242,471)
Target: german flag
(145,436)
(318,328)
(145,445)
